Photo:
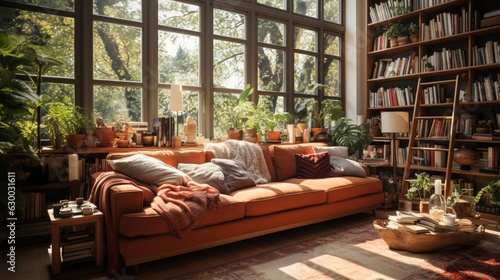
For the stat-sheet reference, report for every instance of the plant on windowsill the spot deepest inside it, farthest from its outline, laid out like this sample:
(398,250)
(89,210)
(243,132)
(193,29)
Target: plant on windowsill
(238,117)
(68,123)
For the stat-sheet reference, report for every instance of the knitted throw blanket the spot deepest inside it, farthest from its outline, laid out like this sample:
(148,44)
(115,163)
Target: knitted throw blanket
(182,207)
(250,153)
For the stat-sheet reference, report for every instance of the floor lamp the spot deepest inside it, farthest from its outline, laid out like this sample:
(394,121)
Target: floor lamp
(176,102)
(394,122)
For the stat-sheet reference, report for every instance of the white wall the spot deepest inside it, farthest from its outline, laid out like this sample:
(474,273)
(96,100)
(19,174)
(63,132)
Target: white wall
(355,68)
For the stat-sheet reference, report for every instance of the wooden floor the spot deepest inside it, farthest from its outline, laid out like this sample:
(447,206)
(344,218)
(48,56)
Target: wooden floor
(33,263)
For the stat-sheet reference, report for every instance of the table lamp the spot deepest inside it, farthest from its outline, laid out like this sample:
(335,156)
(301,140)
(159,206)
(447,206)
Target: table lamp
(394,122)
(176,102)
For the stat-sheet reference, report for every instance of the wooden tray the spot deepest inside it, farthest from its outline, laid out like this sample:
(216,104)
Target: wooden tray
(424,242)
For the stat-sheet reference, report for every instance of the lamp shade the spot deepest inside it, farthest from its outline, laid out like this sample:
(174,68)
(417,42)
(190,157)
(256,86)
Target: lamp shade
(175,98)
(394,122)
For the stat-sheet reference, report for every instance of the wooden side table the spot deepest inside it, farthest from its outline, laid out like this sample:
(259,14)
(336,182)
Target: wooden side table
(59,223)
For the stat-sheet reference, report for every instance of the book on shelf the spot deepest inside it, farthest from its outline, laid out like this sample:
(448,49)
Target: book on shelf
(490,21)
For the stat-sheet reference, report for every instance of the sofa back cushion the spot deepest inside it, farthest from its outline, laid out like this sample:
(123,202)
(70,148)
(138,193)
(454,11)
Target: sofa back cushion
(285,165)
(170,157)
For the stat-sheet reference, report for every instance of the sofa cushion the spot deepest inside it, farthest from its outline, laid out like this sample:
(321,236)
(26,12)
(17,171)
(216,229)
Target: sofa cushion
(149,170)
(346,167)
(341,188)
(206,173)
(148,222)
(336,151)
(315,165)
(170,157)
(235,172)
(277,196)
(285,164)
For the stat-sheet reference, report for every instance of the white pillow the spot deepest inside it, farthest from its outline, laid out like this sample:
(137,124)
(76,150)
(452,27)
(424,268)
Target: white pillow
(333,151)
(149,170)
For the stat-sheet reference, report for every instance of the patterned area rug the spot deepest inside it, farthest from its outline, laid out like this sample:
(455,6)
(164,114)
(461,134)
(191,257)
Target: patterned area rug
(359,253)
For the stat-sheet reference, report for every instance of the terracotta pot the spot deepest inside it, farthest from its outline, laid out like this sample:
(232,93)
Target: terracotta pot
(273,136)
(393,42)
(122,143)
(465,157)
(414,38)
(105,135)
(403,40)
(75,141)
(424,206)
(318,130)
(121,135)
(236,134)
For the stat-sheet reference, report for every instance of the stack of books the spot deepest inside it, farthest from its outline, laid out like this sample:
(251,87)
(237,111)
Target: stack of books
(425,223)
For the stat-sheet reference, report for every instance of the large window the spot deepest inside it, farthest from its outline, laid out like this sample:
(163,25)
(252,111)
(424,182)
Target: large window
(122,57)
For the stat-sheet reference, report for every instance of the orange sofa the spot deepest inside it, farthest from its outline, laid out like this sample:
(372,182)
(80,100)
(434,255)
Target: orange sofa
(281,204)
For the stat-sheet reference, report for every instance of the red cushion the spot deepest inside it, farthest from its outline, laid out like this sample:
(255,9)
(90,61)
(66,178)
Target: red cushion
(315,165)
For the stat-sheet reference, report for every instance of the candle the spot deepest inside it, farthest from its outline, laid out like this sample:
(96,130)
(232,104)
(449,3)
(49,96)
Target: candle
(73,167)
(437,186)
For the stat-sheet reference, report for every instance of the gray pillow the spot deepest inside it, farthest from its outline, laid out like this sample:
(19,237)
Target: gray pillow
(335,151)
(235,172)
(206,173)
(346,167)
(149,170)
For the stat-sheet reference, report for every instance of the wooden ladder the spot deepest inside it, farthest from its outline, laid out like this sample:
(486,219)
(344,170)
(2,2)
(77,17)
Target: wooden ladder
(418,118)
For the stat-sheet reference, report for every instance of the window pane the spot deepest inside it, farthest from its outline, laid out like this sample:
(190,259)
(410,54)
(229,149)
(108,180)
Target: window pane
(118,102)
(178,58)
(280,4)
(332,77)
(304,109)
(305,39)
(55,4)
(229,64)
(117,52)
(224,104)
(179,15)
(229,24)
(271,32)
(190,104)
(304,73)
(332,44)
(306,7)
(54,33)
(130,9)
(271,70)
(332,11)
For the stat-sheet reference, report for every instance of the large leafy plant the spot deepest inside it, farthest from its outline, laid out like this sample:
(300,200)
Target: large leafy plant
(18,103)
(492,193)
(353,136)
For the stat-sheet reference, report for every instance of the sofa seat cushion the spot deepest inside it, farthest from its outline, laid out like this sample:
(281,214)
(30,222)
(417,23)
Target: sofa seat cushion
(342,188)
(274,197)
(148,222)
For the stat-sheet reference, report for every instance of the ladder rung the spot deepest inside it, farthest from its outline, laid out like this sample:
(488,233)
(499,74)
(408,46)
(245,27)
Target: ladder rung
(437,82)
(428,149)
(434,117)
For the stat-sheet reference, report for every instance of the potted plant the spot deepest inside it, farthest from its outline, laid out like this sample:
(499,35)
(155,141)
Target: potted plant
(490,194)
(420,188)
(272,121)
(348,134)
(104,133)
(67,121)
(331,110)
(413,31)
(238,117)
(392,31)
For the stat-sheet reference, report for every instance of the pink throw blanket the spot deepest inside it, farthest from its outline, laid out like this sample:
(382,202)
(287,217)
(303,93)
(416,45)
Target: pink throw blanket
(184,207)
(181,207)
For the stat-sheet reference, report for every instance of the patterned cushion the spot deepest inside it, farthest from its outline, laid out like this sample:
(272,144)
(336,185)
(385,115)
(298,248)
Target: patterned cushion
(315,165)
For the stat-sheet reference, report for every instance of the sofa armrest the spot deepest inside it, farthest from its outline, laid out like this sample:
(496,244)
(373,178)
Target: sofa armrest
(366,168)
(124,199)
